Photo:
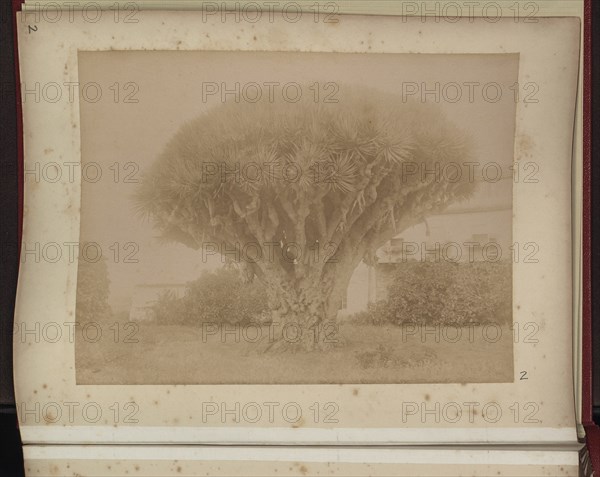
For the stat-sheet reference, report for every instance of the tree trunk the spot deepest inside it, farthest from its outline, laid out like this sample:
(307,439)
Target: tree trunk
(303,318)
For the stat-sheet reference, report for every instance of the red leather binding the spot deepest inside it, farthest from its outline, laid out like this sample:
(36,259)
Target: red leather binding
(592,431)
(16,4)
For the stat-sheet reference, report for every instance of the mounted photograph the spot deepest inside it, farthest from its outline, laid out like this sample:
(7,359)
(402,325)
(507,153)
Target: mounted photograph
(298,218)
(279,239)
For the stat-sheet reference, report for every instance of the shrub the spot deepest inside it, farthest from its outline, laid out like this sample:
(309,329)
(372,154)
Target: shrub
(444,292)
(93,284)
(217,297)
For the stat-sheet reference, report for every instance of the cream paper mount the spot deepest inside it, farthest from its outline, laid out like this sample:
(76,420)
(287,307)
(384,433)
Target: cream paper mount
(137,381)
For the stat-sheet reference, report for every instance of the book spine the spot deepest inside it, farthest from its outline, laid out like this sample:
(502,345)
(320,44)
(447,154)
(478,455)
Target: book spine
(591,429)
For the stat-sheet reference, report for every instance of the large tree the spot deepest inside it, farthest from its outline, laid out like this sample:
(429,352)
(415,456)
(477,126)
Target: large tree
(306,189)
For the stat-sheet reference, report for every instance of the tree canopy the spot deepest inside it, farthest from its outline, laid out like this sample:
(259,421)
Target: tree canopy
(348,175)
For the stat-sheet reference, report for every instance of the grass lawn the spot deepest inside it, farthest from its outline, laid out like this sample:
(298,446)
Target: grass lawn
(178,354)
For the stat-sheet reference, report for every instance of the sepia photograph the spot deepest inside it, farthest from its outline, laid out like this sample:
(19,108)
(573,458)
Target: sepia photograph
(298,218)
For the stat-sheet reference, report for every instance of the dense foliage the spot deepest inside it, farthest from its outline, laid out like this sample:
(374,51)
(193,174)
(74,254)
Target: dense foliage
(92,291)
(445,292)
(216,297)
